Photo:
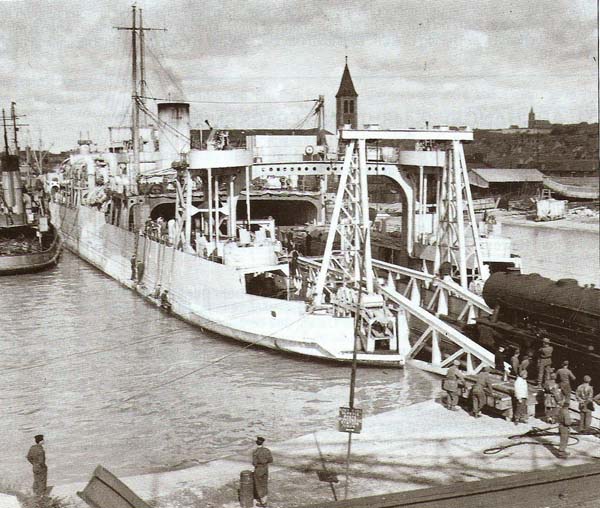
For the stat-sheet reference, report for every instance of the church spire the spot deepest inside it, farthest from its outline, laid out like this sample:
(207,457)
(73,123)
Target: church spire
(346,101)
(346,85)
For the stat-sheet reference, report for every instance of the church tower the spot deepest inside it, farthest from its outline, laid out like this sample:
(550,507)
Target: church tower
(346,102)
(531,122)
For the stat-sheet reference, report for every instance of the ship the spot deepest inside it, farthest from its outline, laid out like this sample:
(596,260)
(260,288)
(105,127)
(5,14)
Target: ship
(175,224)
(28,241)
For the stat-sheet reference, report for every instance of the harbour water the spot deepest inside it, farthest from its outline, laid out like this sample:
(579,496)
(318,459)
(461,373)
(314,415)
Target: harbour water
(111,380)
(557,253)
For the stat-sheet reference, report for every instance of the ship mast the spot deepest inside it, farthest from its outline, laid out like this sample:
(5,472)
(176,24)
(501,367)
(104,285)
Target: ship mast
(136,31)
(5,134)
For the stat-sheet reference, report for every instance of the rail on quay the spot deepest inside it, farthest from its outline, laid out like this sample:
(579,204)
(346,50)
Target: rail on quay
(565,486)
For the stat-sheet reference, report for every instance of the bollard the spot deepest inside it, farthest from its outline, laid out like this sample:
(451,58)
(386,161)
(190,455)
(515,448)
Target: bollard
(246,489)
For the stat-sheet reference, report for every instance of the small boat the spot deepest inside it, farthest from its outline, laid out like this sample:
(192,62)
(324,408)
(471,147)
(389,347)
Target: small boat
(28,242)
(572,191)
(23,250)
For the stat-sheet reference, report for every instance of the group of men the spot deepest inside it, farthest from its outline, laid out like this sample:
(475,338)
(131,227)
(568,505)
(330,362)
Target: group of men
(556,386)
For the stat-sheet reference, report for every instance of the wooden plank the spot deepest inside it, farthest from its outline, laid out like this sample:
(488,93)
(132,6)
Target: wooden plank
(560,487)
(105,490)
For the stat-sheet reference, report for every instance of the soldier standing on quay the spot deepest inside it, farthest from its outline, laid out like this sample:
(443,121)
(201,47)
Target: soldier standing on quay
(544,360)
(261,458)
(37,458)
(564,376)
(451,385)
(514,362)
(564,424)
(585,397)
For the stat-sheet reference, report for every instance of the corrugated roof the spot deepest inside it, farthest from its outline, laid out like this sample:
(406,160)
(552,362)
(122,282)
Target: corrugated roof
(501,175)
(346,86)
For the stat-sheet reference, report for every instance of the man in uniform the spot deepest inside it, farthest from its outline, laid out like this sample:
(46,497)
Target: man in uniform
(37,459)
(524,365)
(585,397)
(521,395)
(564,423)
(481,388)
(564,376)
(261,458)
(500,358)
(514,362)
(544,360)
(451,384)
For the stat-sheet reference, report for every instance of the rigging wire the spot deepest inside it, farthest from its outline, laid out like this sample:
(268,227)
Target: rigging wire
(230,102)
(209,363)
(88,332)
(90,352)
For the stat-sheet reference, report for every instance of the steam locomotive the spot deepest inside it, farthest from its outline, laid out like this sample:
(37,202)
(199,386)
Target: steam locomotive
(528,308)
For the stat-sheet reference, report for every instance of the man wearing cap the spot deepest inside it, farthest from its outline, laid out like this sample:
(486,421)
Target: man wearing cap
(585,397)
(451,384)
(482,387)
(514,361)
(261,458)
(544,359)
(500,359)
(37,458)
(564,376)
(521,394)
(564,429)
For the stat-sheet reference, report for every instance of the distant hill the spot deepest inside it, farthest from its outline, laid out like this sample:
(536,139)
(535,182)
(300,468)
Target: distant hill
(563,150)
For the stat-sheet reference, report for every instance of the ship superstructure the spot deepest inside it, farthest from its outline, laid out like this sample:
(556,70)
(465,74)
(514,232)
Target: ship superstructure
(162,218)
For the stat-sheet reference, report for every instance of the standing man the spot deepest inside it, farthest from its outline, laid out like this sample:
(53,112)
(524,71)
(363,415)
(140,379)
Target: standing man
(500,358)
(585,397)
(514,362)
(37,459)
(564,376)
(524,365)
(564,424)
(481,388)
(451,384)
(521,394)
(544,359)
(261,458)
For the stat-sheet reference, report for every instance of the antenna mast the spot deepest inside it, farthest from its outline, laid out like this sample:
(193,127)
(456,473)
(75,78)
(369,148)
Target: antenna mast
(5,134)
(136,99)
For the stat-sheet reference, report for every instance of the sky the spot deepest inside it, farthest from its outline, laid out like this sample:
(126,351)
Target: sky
(481,63)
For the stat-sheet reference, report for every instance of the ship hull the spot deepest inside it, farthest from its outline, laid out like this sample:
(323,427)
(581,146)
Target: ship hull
(207,294)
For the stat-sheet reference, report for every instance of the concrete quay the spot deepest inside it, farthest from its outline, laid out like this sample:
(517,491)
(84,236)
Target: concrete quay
(418,446)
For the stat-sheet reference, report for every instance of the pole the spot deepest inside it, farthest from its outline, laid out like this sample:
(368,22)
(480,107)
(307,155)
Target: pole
(247,198)
(210,204)
(5,134)
(14,120)
(135,112)
(354,359)
(142,68)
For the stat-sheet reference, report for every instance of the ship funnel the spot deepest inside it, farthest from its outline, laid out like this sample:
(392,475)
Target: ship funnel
(173,131)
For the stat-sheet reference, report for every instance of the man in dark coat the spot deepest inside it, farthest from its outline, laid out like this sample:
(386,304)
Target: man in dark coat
(37,459)
(261,458)
(453,377)
(482,387)
(514,362)
(564,424)
(564,376)
(544,360)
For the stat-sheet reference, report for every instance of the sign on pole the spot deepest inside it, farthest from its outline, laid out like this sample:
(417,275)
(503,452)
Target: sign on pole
(350,420)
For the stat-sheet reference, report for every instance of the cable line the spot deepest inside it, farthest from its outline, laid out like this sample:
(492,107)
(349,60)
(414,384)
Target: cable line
(229,102)
(208,364)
